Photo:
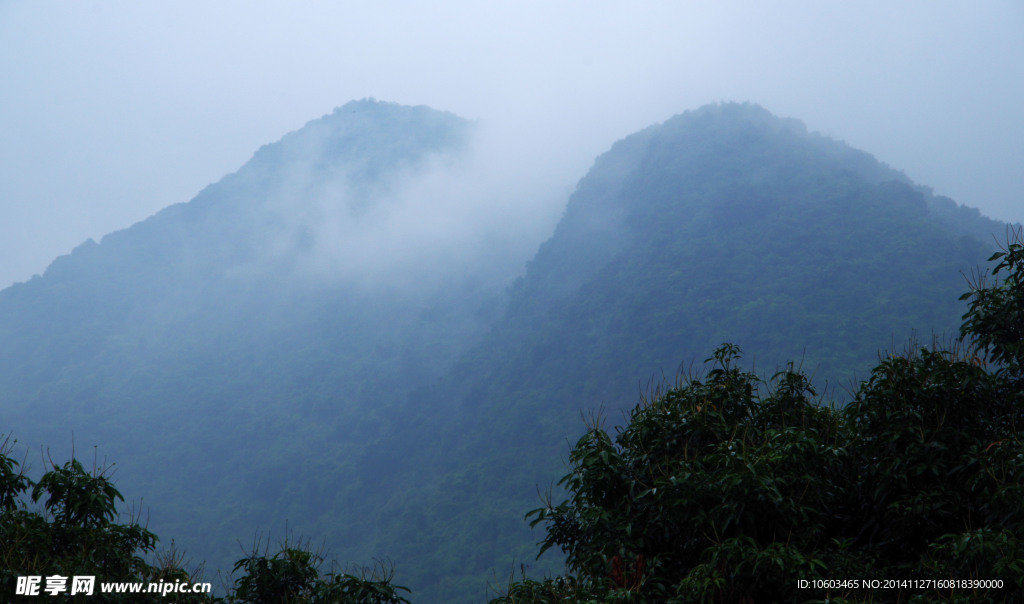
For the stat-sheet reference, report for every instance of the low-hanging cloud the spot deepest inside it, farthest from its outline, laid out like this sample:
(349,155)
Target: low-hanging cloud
(477,212)
(107,117)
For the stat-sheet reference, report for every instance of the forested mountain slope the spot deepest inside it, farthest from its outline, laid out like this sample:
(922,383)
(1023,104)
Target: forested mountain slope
(274,351)
(234,354)
(721,224)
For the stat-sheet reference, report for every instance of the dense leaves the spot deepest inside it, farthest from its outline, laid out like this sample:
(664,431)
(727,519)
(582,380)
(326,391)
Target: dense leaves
(76,534)
(725,488)
(292,576)
(995,319)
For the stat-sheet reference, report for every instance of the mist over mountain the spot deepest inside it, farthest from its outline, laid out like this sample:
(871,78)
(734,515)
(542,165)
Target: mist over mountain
(334,336)
(721,224)
(222,342)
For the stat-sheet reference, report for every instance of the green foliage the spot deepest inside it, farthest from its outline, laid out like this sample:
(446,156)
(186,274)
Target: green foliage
(75,497)
(12,483)
(725,488)
(995,319)
(286,577)
(292,576)
(711,487)
(567,589)
(76,534)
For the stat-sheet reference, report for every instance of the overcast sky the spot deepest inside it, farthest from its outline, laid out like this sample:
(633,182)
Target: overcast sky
(110,111)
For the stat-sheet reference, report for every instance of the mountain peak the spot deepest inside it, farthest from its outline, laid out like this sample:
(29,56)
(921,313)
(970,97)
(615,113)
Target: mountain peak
(712,181)
(365,139)
(434,411)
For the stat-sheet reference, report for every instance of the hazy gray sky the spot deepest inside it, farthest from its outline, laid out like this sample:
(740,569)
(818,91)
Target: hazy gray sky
(111,110)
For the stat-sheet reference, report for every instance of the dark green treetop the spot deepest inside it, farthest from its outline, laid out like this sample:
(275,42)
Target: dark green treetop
(726,488)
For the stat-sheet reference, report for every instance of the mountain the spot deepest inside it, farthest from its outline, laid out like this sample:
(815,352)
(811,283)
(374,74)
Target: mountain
(295,347)
(256,333)
(721,224)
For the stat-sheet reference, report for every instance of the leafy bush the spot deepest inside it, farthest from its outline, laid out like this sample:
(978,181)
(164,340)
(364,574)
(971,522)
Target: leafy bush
(292,576)
(725,488)
(76,533)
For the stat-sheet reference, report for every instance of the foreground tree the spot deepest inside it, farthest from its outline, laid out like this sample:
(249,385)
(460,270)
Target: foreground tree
(729,489)
(293,576)
(994,322)
(77,532)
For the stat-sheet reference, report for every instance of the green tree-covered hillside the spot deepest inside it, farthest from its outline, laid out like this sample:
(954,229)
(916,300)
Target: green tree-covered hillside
(728,487)
(244,347)
(721,224)
(265,355)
